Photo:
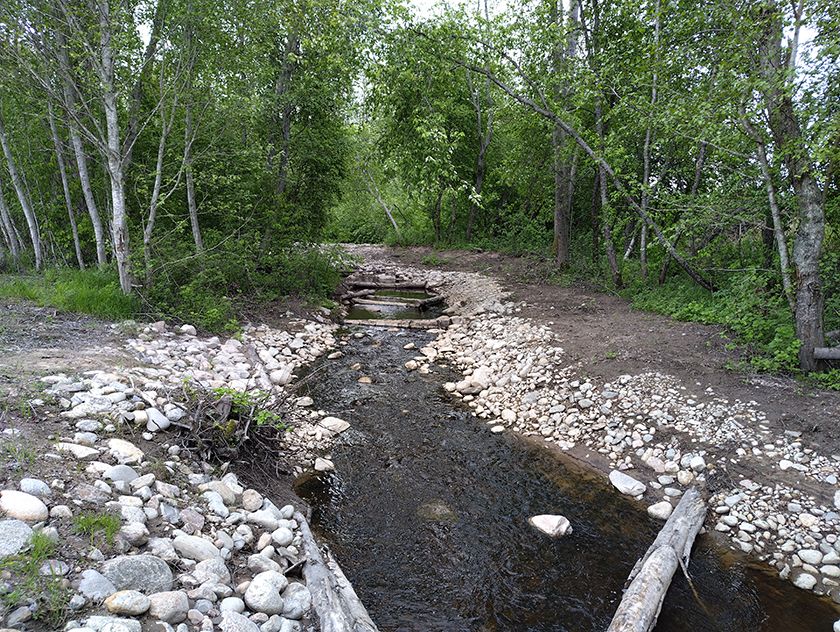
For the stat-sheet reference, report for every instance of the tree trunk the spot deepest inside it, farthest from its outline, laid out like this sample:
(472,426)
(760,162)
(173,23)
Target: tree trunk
(188,174)
(651,576)
(609,246)
(374,190)
(79,150)
(20,190)
(9,230)
(787,135)
(285,109)
(148,229)
(595,212)
(436,224)
(563,169)
(119,220)
(65,185)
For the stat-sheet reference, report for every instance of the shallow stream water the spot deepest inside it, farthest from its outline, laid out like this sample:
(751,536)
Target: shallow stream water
(427,513)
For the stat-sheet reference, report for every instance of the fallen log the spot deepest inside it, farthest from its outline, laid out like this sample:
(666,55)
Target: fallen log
(651,576)
(335,602)
(358,293)
(827,353)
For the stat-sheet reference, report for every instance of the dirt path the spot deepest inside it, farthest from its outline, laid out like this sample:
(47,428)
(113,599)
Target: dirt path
(608,338)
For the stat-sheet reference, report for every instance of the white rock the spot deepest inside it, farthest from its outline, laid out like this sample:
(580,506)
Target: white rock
(661,510)
(805,581)
(14,536)
(22,506)
(81,452)
(324,465)
(553,525)
(194,547)
(156,420)
(627,484)
(697,463)
(125,452)
(263,593)
(334,424)
(130,602)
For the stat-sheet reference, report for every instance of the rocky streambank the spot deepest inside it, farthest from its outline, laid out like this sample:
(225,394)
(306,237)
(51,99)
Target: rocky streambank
(109,525)
(773,497)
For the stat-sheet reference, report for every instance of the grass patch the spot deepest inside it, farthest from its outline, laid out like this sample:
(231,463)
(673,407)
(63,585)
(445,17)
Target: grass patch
(17,454)
(30,585)
(97,526)
(94,292)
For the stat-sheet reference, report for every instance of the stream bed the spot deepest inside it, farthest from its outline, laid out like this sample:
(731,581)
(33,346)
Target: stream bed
(427,513)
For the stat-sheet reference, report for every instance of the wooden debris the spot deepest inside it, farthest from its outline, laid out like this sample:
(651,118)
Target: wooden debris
(651,576)
(335,602)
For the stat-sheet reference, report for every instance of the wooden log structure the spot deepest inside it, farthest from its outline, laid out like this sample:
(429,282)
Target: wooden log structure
(394,301)
(375,285)
(827,353)
(336,604)
(428,302)
(407,323)
(651,576)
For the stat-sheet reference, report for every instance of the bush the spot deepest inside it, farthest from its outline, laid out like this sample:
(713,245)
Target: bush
(207,291)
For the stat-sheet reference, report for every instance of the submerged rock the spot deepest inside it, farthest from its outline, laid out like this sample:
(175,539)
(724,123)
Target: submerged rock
(437,511)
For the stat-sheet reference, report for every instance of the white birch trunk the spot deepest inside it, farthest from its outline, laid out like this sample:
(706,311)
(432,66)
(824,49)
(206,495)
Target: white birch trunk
(28,212)
(68,201)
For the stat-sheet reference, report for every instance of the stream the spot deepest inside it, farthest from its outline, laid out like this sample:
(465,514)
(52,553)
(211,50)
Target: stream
(427,513)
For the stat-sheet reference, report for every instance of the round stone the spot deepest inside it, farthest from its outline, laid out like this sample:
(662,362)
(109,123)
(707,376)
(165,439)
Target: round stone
(22,506)
(130,602)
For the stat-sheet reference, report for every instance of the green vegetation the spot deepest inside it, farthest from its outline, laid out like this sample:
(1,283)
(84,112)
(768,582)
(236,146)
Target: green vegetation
(17,453)
(84,291)
(99,527)
(247,407)
(47,590)
(606,137)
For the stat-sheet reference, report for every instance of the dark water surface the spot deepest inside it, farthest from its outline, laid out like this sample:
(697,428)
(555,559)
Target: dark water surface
(427,513)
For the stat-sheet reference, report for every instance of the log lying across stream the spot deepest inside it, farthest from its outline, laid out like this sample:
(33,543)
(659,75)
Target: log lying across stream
(651,576)
(335,602)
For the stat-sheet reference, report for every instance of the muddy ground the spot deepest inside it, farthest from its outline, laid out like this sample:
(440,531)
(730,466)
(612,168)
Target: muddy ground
(608,337)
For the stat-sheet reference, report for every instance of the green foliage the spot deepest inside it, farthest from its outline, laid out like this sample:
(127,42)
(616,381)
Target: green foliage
(749,305)
(46,590)
(91,292)
(432,259)
(208,292)
(98,527)
(251,405)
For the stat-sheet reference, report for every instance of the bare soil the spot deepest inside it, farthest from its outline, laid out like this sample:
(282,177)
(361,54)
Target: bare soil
(608,337)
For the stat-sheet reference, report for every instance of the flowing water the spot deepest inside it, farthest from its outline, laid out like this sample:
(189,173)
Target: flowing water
(427,513)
